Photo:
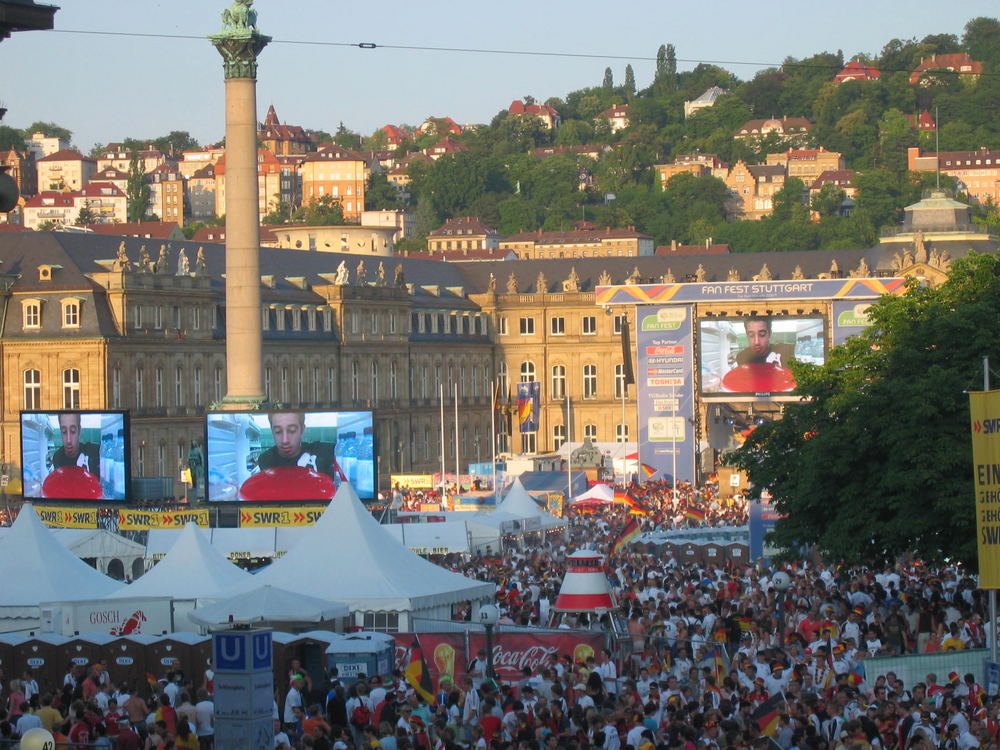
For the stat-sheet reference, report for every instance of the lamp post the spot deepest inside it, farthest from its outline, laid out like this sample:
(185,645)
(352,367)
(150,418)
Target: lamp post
(781,583)
(489,616)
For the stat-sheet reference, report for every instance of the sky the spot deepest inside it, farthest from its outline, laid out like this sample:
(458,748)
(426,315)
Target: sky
(107,87)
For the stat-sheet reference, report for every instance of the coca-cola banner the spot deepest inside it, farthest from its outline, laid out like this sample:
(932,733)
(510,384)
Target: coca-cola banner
(450,653)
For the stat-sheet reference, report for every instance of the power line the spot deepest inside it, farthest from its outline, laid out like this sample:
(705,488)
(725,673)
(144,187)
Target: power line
(488,51)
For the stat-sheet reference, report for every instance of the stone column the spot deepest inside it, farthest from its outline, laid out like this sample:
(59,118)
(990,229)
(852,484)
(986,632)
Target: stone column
(239,43)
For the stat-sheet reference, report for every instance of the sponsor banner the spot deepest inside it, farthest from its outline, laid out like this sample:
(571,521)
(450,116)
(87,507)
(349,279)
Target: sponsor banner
(748,290)
(985,428)
(446,653)
(141,520)
(253,518)
(665,340)
(849,319)
(68,517)
(763,517)
(412,481)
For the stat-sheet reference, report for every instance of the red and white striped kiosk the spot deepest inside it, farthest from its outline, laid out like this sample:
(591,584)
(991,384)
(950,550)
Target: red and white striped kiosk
(585,587)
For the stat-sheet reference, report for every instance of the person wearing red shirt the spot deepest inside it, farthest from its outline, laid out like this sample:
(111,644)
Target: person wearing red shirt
(79,733)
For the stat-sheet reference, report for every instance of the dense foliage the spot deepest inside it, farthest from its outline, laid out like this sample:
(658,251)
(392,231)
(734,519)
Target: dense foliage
(875,461)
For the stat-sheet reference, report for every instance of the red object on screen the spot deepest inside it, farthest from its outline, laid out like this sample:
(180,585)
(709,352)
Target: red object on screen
(758,378)
(288,483)
(72,482)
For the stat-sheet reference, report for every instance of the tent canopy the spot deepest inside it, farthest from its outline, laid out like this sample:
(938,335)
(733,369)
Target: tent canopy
(268,604)
(348,557)
(597,495)
(38,568)
(552,481)
(192,569)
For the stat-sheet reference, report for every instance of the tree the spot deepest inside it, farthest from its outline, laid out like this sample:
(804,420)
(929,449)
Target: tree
(175,142)
(49,130)
(136,190)
(828,200)
(609,80)
(323,211)
(11,138)
(873,461)
(85,217)
(629,81)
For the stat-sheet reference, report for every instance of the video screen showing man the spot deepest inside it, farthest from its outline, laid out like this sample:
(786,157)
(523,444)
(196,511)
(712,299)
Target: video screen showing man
(288,431)
(760,349)
(72,452)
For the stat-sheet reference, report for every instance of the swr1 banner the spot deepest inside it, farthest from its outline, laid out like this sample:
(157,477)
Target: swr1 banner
(141,520)
(985,411)
(68,517)
(255,518)
(451,653)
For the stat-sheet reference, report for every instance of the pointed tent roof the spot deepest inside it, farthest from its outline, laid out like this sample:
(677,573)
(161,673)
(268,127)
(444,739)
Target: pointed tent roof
(370,569)
(38,568)
(519,503)
(191,569)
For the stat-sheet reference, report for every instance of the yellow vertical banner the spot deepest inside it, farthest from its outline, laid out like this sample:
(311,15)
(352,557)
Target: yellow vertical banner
(985,409)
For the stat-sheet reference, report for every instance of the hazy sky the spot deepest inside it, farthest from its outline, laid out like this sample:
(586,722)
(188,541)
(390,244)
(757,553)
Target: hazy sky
(106,88)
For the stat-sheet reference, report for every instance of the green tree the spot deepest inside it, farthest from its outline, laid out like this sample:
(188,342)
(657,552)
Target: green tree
(982,40)
(609,80)
(828,200)
(49,130)
(175,142)
(845,465)
(85,216)
(11,138)
(380,194)
(346,138)
(629,81)
(323,211)
(136,190)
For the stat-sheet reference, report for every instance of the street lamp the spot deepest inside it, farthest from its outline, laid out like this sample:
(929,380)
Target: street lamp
(489,616)
(781,582)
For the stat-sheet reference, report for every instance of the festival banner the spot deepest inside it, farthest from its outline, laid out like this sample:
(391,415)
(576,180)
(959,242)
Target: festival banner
(255,518)
(849,319)
(665,341)
(448,654)
(143,520)
(985,429)
(412,481)
(528,396)
(67,517)
(757,291)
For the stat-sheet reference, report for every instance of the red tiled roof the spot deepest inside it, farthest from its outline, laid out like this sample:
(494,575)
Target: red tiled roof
(394,133)
(856,69)
(841,177)
(447,144)
(6,227)
(101,188)
(206,172)
(783,124)
(616,110)
(518,107)
(333,152)
(492,253)
(575,236)
(924,121)
(50,198)
(462,226)
(718,248)
(450,125)
(156,230)
(956,61)
(218,234)
(67,154)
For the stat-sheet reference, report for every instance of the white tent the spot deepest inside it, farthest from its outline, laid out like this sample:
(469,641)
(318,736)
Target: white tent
(101,546)
(598,492)
(267,541)
(37,568)
(268,604)
(348,557)
(439,538)
(519,512)
(190,570)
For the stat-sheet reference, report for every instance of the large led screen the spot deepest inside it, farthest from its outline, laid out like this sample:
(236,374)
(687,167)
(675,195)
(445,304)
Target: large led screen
(749,356)
(75,455)
(289,455)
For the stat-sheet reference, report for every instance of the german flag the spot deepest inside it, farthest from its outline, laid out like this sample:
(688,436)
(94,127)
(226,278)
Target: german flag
(766,715)
(630,532)
(417,675)
(694,514)
(621,496)
(647,471)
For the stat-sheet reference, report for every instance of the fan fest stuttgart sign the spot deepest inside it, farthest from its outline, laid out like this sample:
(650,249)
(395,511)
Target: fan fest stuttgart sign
(984,407)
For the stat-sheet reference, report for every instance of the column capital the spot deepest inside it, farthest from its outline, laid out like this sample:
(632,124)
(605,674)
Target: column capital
(239,42)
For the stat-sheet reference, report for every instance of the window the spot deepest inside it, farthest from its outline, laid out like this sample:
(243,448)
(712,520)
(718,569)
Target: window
(116,387)
(475,381)
(355,383)
(502,325)
(158,387)
(283,375)
(527,372)
(589,325)
(139,387)
(383,622)
(374,322)
(157,317)
(267,382)
(196,317)
(197,386)
(374,382)
(621,433)
(71,388)
(427,443)
(300,385)
(32,389)
(590,432)
(140,460)
(32,313)
(559,381)
(392,323)
(177,317)
(161,459)
(179,387)
(316,385)
(217,384)
(557,326)
(528,442)
(393,381)
(620,387)
(590,381)
(527,326)
(70,313)
(558,436)
(331,382)
(502,379)
(621,321)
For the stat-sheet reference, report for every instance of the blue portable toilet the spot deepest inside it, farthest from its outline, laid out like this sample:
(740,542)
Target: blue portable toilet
(364,652)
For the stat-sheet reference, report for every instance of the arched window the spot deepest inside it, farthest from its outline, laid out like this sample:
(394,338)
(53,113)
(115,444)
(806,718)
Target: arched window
(558,436)
(71,388)
(32,389)
(590,381)
(527,372)
(559,381)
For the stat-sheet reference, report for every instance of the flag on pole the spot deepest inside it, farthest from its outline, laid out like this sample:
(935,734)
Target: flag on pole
(766,715)
(528,395)
(417,675)
(647,471)
(628,374)
(716,662)
(694,514)
(628,533)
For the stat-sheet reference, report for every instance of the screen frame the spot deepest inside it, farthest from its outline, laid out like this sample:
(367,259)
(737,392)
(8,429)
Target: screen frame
(127,431)
(279,503)
(720,395)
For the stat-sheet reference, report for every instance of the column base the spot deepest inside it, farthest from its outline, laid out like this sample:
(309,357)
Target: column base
(242,403)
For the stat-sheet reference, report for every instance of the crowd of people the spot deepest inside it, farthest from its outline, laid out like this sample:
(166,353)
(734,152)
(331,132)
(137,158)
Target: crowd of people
(90,711)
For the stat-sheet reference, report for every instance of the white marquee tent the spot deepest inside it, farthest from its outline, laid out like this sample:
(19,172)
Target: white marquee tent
(348,557)
(38,568)
(113,554)
(518,512)
(268,604)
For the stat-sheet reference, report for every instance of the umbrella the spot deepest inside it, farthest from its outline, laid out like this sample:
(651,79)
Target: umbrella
(268,604)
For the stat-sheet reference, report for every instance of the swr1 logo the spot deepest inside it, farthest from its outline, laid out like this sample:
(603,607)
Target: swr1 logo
(987,426)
